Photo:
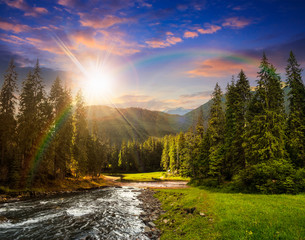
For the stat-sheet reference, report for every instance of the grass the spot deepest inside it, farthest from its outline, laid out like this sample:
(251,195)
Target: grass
(149,176)
(230,215)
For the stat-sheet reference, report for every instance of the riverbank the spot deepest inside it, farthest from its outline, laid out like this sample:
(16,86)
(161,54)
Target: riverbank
(66,185)
(194,213)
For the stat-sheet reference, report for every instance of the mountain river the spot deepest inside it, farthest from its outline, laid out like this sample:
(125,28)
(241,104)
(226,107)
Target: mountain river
(109,213)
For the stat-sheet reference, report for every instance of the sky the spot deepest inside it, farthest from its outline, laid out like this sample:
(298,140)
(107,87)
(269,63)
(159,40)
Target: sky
(158,54)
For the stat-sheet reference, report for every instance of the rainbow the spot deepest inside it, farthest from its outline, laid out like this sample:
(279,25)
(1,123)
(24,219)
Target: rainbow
(168,56)
(45,140)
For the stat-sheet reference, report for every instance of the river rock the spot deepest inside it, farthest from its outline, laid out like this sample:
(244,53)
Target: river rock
(151,212)
(151,224)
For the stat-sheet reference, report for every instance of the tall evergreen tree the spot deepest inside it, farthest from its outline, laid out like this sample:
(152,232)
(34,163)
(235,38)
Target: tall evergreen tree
(237,99)
(230,130)
(61,102)
(266,120)
(8,124)
(32,120)
(81,135)
(173,155)
(216,133)
(296,117)
(165,153)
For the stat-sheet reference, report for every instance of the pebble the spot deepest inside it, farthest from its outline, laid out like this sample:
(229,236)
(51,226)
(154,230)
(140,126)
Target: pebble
(151,212)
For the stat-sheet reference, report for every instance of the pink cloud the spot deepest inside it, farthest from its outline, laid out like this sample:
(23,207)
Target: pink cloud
(36,42)
(220,67)
(209,29)
(173,40)
(43,45)
(28,10)
(98,23)
(66,3)
(115,42)
(40,10)
(17,28)
(170,40)
(235,22)
(11,39)
(189,34)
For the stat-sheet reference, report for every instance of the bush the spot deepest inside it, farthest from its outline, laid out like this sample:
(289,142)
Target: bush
(299,179)
(272,177)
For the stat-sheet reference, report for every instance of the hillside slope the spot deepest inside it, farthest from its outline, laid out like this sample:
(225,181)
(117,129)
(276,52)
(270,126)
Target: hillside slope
(123,124)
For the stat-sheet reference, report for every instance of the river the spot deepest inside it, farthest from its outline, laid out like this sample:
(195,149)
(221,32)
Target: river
(109,213)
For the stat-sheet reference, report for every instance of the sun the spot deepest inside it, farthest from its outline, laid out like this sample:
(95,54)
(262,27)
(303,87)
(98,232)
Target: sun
(99,82)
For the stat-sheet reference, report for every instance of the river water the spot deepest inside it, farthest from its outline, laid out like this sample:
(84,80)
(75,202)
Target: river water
(109,213)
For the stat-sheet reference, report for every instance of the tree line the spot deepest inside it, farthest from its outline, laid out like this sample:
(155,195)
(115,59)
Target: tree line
(252,143)
(45,136)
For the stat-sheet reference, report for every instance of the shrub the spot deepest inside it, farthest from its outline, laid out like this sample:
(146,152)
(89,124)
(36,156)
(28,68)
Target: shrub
(271,177)
(299,179)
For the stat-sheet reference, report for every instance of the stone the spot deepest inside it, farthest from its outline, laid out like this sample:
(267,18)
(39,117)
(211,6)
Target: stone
(202,214)
(151,224)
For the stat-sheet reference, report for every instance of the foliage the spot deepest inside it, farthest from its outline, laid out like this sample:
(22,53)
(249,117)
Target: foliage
(9,167)
(248,143)
(272,177)
(296,123)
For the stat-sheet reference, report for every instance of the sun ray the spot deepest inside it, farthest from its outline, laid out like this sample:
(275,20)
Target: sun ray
(99,67)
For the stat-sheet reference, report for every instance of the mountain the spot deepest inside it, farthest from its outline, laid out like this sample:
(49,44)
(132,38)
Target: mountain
(179,111)
(123,124)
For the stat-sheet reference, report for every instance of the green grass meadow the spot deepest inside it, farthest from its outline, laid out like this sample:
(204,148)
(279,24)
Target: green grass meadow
(149,176)
(230,215)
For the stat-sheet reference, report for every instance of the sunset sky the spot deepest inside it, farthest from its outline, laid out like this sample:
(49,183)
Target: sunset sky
(152,54)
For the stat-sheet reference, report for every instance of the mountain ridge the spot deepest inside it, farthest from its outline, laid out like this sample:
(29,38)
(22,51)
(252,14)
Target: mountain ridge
(133,123)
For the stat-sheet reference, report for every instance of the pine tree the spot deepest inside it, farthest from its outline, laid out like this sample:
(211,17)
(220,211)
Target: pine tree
(61,102)
(200,124)
(173,155)
(165,154)
(230,130)
(32,122)
(216,133)
(296,117)
(242,88)
(8,124)
(266,120)
(237,99)
(81,135)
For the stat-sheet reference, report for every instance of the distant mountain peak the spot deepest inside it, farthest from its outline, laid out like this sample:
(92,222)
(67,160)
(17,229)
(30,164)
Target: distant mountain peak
(179,111)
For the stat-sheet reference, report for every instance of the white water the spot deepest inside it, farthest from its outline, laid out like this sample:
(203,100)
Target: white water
(111,213)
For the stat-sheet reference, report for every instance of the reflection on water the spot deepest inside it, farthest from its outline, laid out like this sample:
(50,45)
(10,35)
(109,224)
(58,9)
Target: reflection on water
(111,213)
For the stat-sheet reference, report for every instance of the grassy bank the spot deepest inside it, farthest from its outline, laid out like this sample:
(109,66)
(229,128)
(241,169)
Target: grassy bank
(149,176)
(64,185)
(230,216)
